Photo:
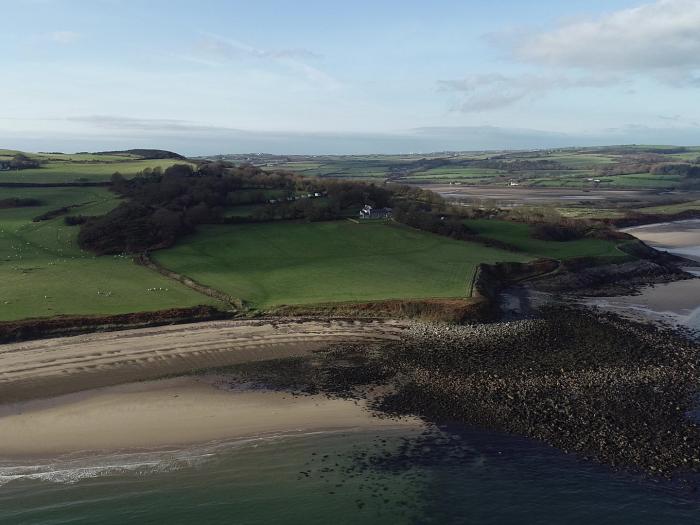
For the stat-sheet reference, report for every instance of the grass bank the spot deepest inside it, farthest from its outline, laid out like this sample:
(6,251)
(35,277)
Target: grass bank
(274,264)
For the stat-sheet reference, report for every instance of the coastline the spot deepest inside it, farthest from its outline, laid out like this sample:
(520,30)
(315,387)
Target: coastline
(680,238)
(171,414)
(540,378)
(52,367)
(676,303)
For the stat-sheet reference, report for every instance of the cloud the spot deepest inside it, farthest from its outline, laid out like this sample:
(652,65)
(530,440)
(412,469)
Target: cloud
(680,119)
(657,40)
(213,49)
(125,123)
(659,37)
(63,37)
(485,92)
(111,122)
(229,48)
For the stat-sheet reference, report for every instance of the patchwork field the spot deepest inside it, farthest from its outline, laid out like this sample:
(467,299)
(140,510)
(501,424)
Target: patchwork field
(87,167)
(606,167)
(44,273)
(297,263)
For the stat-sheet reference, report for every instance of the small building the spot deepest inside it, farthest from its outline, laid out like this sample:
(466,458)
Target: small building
(369,212)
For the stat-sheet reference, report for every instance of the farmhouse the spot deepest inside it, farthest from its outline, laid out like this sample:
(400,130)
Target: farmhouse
(368,212)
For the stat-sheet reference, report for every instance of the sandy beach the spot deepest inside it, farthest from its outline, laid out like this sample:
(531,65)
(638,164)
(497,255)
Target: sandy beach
(677,303)
(680,237)
(51,367)
(170,413)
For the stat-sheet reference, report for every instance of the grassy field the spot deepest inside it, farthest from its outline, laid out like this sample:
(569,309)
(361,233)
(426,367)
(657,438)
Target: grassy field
(341,167)
(59,171)
(672,208)
(298,263)
(72,157)
(44,273)
(520,235)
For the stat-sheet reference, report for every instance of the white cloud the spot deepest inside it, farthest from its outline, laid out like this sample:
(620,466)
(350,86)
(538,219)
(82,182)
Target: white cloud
(214,47)
(658,40)
(486,92)
(231,48)
(141,124)
(657,36)
(63,37)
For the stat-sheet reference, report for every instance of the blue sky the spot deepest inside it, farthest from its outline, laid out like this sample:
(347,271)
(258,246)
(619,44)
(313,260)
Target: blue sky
(347,77)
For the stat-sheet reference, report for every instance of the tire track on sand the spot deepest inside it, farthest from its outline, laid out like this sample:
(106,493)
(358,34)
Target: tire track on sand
(50,367)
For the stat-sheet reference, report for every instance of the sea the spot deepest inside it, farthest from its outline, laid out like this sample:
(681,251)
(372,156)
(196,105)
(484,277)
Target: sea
(454,474)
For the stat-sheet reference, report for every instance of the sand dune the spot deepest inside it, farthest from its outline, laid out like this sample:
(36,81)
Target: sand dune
(50,367)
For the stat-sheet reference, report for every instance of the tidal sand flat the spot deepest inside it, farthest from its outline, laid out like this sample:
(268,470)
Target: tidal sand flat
(58,366)
(680,237)
(676,302)
(170,414)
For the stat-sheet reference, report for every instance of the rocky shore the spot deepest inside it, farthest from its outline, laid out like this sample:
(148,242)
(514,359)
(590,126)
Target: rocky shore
(605,388)
(610,279)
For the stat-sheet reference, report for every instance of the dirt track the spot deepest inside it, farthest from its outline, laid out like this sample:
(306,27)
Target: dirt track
(50,367)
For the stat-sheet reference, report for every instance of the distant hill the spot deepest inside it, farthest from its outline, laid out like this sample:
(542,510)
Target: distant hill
(144,153)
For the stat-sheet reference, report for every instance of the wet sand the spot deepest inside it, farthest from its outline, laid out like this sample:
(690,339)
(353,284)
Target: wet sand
(170,413)
(678,302)
(50,367)
(680,237)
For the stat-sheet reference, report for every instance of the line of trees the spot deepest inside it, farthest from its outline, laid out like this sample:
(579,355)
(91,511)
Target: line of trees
(19,202)
(19,162)
(162,205)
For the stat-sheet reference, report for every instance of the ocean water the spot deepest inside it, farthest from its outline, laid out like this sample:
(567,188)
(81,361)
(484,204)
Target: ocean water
(459,475)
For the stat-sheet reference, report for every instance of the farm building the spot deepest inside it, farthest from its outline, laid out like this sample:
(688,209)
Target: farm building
(368,212)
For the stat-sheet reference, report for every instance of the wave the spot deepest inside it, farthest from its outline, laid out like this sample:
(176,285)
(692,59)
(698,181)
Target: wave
(76,467)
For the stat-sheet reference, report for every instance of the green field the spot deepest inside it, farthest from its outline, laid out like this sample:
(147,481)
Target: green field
(297,263)
(44,273)
(580,160)
(672,208)
(519,235)
(72,157)
(92,171)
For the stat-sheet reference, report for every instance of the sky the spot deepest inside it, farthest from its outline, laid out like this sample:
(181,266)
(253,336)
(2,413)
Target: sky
(319,77)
